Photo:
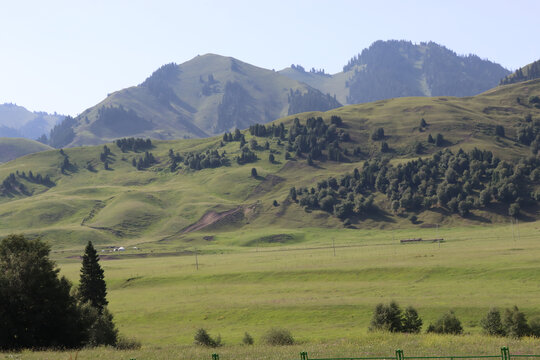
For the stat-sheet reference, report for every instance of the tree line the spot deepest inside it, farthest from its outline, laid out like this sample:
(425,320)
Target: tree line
(11,185)
(134,144)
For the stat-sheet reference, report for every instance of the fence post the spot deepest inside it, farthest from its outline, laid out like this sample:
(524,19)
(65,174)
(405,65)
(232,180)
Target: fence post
(303,355)
(215,357)
(505,353)
(399,354)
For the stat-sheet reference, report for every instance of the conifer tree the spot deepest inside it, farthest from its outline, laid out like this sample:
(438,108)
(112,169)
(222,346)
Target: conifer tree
(92,285)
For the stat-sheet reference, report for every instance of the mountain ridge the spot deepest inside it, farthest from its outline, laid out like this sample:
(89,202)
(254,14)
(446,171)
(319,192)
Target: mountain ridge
(397,68)
(17,121)
(204,96)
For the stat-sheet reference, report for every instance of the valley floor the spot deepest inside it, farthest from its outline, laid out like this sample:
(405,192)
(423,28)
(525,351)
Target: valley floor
(321,284)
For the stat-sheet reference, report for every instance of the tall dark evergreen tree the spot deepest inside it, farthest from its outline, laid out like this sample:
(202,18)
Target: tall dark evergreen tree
(92,287)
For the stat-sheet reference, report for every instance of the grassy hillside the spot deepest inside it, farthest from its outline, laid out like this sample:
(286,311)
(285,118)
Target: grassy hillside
(528,72)
(12,148)
(205,96)
(123,205)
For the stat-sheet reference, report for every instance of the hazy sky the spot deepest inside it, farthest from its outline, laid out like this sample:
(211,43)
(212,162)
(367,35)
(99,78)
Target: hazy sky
(65,56)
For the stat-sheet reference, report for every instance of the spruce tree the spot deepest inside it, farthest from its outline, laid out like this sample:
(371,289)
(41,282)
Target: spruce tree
(92,286)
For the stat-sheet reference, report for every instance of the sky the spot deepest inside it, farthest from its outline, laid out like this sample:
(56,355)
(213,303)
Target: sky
(66,56)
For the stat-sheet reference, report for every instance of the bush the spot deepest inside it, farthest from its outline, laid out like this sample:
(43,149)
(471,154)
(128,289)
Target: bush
(534,324)
(411,322)
(125,343)
(386,318)
(253,172)
(278,336)
(515,323)
(492,323)
(248,339)
(202,338)
(446,324)
(378,134)
(102,331)
(499,131)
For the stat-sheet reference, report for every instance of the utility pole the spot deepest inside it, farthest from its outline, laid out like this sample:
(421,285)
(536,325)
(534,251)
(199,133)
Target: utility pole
(513,235)
(437,234)
(334,246)
(517,228)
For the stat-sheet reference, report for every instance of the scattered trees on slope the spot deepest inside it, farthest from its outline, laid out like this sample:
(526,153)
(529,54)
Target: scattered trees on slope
(458,182)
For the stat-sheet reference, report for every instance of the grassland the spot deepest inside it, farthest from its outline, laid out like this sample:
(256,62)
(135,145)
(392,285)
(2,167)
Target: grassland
(12,148)
(326,300)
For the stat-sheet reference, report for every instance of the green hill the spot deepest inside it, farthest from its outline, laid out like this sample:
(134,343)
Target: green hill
(188,190)
(389,69)
(528,72)
(202,97)
(12,148)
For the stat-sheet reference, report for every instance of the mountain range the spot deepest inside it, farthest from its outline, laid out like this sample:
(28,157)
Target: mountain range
(211,94)
(17,121)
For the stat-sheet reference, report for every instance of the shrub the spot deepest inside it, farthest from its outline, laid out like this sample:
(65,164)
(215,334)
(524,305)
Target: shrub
(386,317)
(446,324)
(378,134)
(202,338)
(125,343)
(411,322)
(499,131)
(248,339)
(534,324)
(278,336)
(439,140)
(102,330)
(515,323)
(492,324)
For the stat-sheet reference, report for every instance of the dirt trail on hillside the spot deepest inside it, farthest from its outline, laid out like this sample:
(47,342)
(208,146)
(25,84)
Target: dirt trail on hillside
(212,217)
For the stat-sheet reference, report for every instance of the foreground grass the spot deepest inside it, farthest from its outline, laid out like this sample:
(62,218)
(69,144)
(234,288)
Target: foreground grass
(373,344)
(319,296)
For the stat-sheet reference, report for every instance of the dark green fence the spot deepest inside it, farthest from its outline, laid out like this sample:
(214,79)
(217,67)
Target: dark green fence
(505,355)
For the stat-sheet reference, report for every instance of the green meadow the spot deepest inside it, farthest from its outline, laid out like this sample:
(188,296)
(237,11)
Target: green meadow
(322,286)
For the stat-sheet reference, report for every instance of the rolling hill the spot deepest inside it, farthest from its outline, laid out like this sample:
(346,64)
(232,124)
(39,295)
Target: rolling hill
(187,189)
(12,148)
(389,69)
(16,121)
(202,97)
(528,72)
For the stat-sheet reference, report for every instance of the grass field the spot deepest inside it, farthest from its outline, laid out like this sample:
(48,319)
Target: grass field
(323,299)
